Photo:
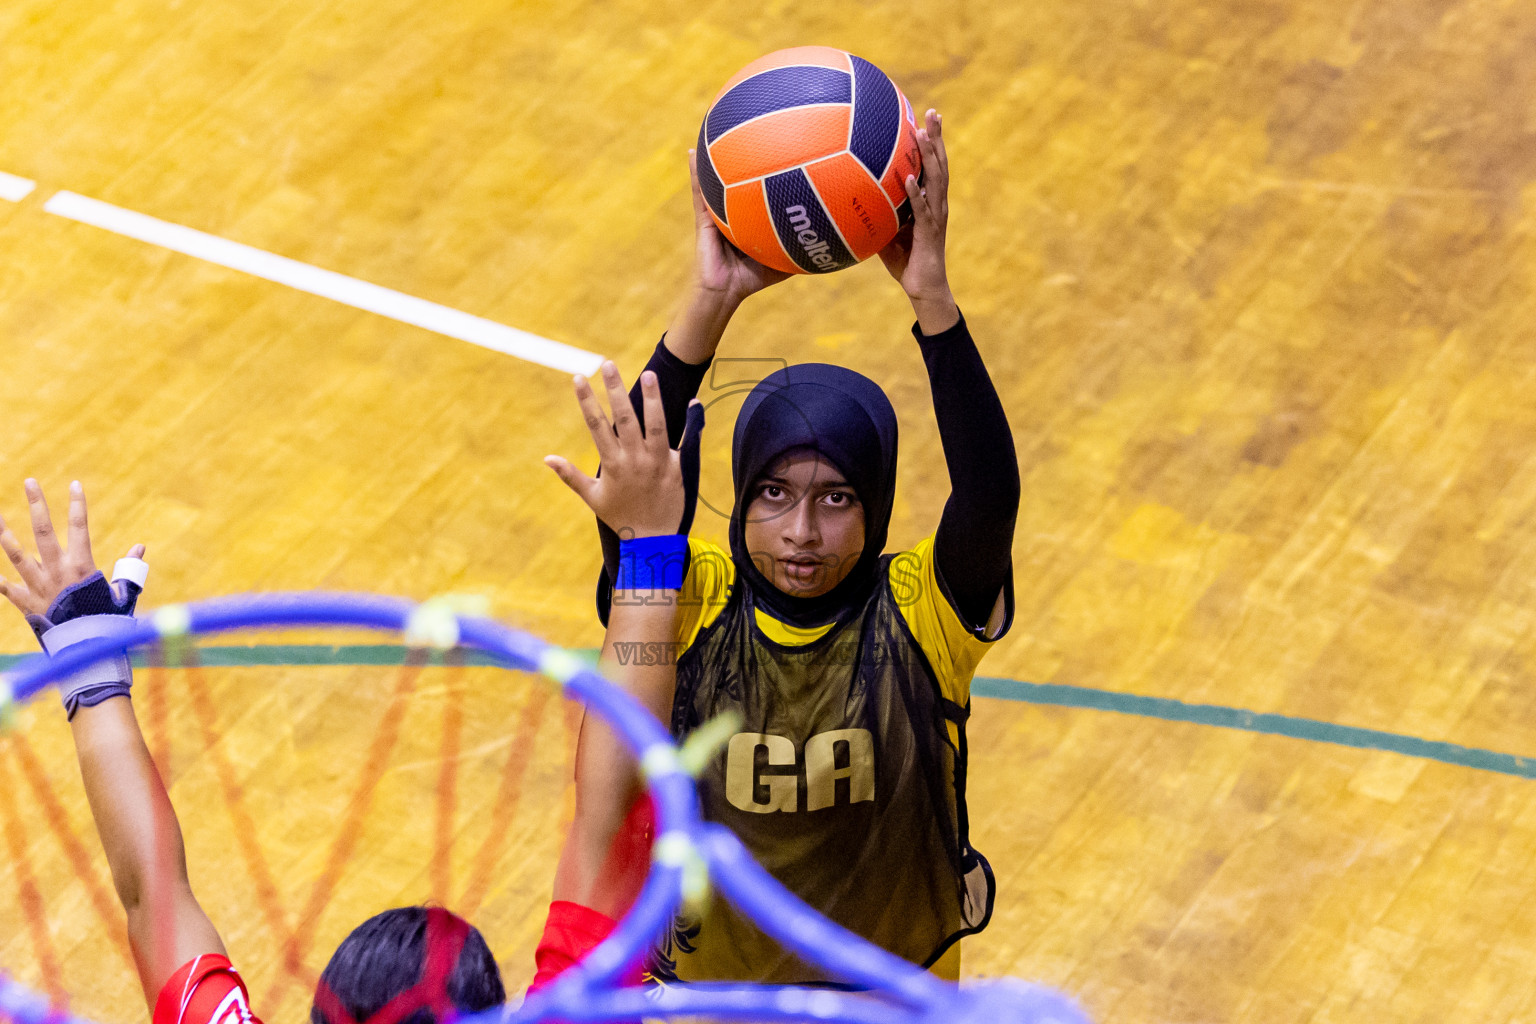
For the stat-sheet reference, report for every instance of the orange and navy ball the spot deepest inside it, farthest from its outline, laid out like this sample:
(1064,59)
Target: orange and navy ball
(802,157)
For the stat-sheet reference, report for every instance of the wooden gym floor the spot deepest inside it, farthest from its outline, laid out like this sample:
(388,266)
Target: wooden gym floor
(1254,278)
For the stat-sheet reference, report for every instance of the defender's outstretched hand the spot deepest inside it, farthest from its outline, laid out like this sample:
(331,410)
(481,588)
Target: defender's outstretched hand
(915,258)
(134,818)
(55,568)
(640,492)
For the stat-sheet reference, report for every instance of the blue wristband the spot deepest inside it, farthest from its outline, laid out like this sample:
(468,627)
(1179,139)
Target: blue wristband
(652,563)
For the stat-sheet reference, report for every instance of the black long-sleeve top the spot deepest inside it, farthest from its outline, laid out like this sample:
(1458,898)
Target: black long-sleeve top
(973,545)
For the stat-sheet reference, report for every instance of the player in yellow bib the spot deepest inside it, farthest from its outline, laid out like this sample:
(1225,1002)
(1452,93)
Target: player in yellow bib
(849,667)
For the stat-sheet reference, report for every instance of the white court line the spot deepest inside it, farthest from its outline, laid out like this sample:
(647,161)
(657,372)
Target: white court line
(325,283)
(14,189)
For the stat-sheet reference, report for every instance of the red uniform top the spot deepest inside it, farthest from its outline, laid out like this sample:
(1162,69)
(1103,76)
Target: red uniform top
(205,990)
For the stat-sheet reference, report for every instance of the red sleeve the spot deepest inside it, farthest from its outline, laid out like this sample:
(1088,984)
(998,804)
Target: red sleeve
(206,990)
(570,933)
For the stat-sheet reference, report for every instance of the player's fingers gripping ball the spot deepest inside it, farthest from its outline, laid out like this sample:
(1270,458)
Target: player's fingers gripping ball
(802,159)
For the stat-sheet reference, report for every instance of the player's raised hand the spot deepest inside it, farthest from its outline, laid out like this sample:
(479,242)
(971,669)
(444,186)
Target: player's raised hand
(640,492)
(720,267)
(915,258)
(56,566)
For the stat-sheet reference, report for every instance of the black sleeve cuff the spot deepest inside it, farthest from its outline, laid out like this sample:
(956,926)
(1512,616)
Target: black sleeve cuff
(688,373)
(958,333)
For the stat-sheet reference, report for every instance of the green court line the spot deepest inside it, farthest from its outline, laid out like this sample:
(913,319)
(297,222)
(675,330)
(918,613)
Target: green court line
(1223,717)
(1052,694)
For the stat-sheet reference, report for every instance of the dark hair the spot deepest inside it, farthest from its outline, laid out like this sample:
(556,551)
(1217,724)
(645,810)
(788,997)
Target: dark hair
(398,953)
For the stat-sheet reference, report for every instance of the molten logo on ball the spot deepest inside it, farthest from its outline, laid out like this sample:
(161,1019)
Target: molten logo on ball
(819,252)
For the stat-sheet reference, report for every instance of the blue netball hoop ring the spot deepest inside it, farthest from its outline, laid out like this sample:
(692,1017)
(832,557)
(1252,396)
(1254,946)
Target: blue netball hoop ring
(688,857)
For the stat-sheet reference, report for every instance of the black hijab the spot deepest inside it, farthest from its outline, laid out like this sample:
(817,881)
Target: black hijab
(847,419)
